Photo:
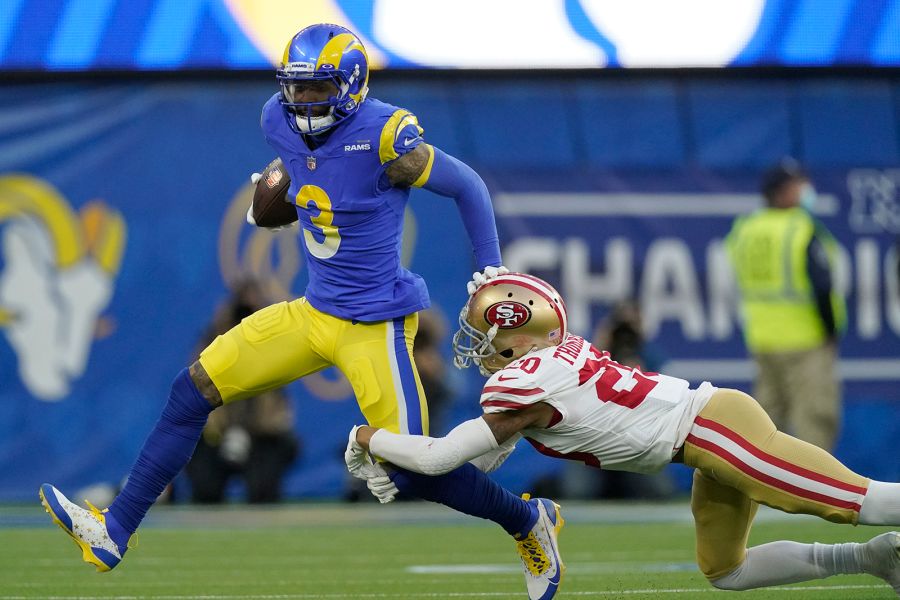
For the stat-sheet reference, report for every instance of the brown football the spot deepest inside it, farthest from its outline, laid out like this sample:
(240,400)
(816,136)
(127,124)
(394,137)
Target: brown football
(271,207)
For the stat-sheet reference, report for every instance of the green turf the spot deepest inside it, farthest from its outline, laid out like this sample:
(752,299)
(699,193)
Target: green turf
(306,552)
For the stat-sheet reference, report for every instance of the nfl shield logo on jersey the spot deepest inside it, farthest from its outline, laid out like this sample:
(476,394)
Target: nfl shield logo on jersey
(311,163)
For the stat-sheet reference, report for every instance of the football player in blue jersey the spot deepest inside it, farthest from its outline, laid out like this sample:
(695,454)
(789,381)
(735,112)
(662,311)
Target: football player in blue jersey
(352,161)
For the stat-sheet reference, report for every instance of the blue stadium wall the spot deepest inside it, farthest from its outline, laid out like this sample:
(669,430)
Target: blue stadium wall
(121,207)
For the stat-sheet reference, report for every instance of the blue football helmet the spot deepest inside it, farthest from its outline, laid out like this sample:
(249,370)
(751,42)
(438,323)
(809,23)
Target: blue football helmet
(323,53)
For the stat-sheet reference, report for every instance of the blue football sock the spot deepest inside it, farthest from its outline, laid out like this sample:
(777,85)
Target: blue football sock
(168,448)
(470,491)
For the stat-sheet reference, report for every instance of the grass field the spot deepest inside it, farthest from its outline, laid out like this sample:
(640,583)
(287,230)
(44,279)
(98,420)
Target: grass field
(413,551)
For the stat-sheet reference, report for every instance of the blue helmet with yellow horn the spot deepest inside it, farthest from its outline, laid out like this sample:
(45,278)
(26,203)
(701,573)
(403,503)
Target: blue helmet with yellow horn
(329,53)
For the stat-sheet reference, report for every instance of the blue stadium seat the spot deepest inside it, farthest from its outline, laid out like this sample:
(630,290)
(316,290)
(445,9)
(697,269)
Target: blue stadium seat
(626,124)
(847,123)
(739,124)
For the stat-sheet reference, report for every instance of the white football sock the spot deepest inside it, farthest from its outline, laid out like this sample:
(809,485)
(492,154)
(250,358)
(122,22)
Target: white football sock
(838,559)
(881,506)
(780,563)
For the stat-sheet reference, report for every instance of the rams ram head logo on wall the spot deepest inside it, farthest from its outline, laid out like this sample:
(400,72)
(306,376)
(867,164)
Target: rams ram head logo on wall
(57,273)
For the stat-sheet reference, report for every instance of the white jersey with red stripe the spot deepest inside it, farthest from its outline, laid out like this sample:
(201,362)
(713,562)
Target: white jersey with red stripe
(607,414)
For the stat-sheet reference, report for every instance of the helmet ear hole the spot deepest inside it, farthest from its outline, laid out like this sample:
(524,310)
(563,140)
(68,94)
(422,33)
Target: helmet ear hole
(507,353)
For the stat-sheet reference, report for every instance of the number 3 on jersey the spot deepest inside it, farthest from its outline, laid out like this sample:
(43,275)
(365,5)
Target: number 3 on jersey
(312,197)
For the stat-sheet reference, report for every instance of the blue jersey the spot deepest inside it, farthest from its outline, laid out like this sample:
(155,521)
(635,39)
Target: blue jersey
(351,217)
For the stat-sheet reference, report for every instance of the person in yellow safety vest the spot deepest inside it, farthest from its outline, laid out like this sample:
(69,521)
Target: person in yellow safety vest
(784,260)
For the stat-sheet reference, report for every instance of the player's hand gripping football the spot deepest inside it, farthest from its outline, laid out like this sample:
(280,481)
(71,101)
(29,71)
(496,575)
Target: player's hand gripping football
(479,279)
(254,178)
(361,466)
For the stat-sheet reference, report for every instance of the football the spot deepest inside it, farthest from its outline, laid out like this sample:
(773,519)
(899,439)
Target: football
(271,207)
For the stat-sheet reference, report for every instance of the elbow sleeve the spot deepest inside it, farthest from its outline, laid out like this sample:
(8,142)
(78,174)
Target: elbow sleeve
(434,456)
(442,456)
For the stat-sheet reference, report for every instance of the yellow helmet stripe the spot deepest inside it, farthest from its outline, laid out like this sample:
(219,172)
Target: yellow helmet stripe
(333,51)
(287,51)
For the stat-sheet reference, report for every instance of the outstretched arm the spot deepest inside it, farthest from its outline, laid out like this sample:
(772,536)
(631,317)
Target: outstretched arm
(469,440)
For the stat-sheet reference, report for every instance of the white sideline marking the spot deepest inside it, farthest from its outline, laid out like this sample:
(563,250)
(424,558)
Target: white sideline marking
(602,593)
(586,567)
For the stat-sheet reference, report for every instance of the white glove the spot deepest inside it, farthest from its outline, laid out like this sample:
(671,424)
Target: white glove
(361,466)
(479,279)
(382,488)
(254,177)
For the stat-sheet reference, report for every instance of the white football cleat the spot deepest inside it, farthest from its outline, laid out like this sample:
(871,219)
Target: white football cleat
(883,552)
(86,527)
(540,553)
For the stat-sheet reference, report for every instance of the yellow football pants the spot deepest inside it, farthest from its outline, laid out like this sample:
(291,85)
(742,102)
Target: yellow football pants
(286,341)
(742,460)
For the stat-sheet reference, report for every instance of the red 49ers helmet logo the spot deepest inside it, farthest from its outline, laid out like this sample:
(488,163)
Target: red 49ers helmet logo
(507,314)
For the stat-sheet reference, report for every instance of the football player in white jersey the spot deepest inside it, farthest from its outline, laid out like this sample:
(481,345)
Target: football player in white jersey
(571,400)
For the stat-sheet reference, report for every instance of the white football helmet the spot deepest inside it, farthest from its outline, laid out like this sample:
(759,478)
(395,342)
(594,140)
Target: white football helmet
(506,318)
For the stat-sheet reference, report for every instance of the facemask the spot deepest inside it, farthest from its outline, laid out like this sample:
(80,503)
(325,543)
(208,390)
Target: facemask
(808,197)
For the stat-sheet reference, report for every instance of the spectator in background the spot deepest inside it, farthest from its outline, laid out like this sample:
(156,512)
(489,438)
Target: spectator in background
(784,262)
(621,334)
(253,439)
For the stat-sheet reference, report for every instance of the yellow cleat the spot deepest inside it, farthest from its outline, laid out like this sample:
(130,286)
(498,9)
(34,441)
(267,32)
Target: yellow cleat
(86,527)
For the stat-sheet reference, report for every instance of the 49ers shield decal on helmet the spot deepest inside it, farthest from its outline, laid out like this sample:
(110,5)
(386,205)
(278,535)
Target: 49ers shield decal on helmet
(507,314)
